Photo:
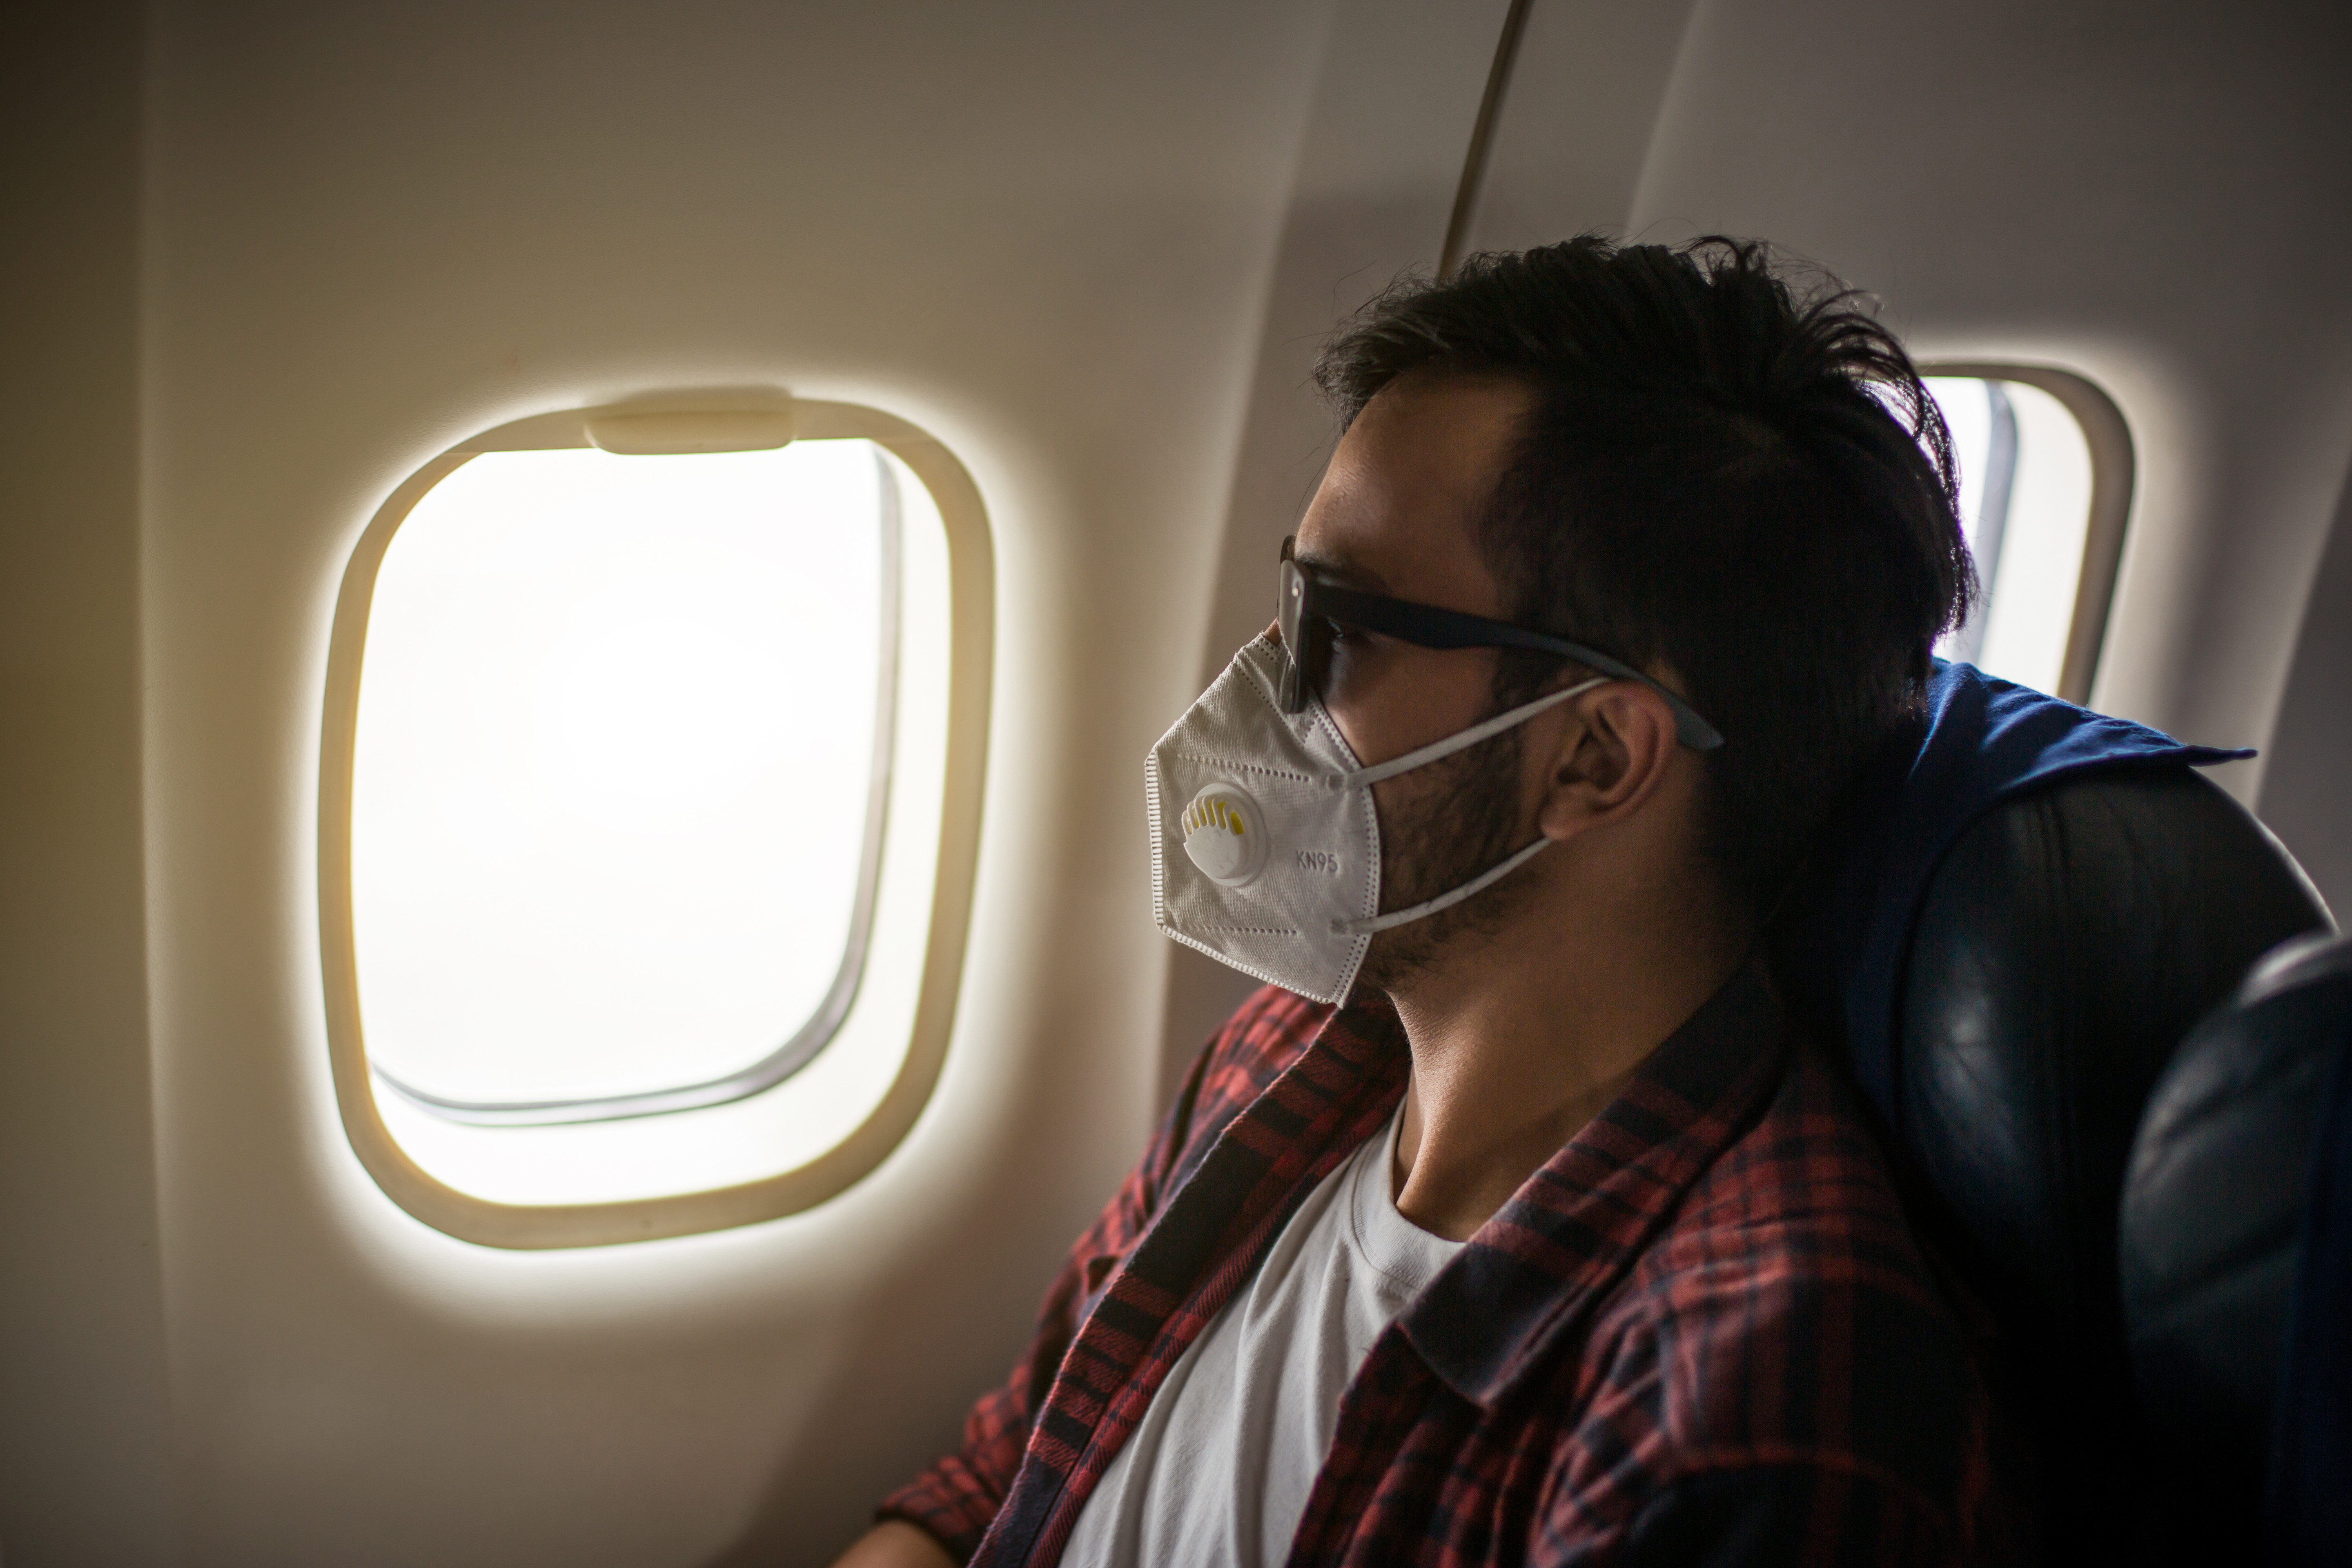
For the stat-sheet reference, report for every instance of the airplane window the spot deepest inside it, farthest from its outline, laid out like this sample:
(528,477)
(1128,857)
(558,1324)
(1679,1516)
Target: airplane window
(649,805)
(617,786)
(2025,503)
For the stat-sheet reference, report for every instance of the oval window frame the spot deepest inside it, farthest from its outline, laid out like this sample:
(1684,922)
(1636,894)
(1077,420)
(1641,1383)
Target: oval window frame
(2107,436)
(707,424)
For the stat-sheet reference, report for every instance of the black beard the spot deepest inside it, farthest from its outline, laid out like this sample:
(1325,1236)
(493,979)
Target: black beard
(1462,819)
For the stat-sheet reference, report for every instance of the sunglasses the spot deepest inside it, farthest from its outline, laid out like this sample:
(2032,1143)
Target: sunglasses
(1312,607)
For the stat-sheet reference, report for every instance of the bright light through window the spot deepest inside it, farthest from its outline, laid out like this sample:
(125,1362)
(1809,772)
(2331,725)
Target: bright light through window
(2025,503)
(623,744)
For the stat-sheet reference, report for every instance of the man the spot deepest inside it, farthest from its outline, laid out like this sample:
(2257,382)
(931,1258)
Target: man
(1513,1223)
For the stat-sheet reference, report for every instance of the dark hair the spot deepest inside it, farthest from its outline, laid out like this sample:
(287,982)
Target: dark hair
(1730,472)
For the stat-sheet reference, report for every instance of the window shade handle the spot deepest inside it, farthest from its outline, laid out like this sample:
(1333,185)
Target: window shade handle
(674,432)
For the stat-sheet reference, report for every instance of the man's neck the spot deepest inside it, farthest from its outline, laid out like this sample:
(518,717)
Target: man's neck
(1514,1052)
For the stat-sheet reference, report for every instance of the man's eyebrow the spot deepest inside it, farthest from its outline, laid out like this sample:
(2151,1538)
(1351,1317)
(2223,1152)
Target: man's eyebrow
(1345,572)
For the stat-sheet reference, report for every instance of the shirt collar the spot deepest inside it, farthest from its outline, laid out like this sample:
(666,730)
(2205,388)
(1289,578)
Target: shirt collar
(1533,1272)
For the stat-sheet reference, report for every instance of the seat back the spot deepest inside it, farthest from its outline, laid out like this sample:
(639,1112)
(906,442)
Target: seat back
(2017,914)
(2233,1260)
(2064,946)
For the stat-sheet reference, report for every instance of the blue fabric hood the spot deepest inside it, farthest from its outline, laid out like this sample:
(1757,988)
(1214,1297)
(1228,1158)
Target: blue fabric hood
(1848,925)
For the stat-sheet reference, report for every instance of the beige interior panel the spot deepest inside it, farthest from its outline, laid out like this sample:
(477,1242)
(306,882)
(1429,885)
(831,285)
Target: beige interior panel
(1578,112)
(85,1401)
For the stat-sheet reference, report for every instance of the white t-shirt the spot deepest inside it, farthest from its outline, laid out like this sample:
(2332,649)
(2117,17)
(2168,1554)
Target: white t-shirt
(1219,1470)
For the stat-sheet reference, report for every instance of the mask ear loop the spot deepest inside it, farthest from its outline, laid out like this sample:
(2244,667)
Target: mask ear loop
(1464,739)
(1477,884)
(1430,753)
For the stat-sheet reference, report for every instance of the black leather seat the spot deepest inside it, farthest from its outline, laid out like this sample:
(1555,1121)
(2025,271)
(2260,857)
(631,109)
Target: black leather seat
(2225,1284)
(2065,944)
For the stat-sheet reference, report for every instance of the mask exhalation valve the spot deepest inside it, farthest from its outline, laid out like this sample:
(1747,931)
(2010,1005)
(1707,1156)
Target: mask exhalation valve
(1224,834)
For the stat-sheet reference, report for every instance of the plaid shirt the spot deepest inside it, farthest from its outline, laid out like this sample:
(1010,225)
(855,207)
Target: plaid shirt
(1701,1333)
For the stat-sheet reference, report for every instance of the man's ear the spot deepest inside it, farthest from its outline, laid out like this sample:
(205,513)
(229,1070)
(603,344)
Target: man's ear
(1613,752)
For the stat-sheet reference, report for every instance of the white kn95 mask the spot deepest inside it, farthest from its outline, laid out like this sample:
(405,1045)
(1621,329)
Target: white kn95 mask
(1265,853)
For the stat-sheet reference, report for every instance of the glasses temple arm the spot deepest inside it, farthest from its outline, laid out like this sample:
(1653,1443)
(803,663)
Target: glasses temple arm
(1427,625)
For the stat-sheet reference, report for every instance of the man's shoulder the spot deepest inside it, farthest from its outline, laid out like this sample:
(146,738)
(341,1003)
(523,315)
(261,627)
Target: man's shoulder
(1807,1179)
(1795,1217)
(1786,1311)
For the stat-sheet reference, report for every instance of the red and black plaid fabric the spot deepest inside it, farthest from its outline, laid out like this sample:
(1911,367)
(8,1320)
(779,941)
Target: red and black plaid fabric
(1700,1334)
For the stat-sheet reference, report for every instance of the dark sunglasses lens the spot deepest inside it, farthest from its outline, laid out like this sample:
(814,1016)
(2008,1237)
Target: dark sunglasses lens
(1291,598)
(1306,640)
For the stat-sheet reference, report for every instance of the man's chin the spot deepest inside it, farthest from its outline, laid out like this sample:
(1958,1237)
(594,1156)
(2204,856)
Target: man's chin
(1409,955)
(1394,962)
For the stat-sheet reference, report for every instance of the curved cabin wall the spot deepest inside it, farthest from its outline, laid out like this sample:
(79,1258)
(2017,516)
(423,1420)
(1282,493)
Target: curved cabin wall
(85,1398)
(2303,795)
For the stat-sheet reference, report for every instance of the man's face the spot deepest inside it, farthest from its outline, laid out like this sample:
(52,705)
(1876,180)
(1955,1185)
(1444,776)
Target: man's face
(1397,513)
